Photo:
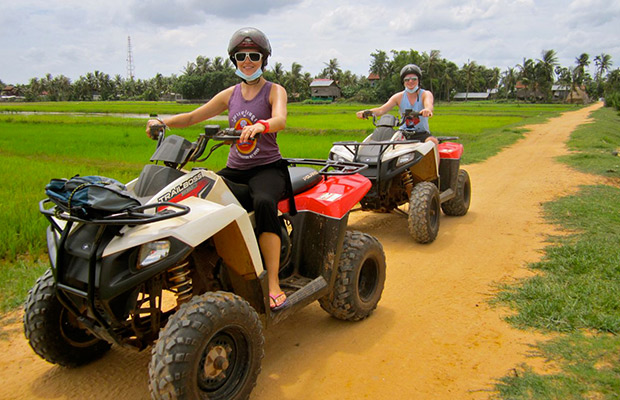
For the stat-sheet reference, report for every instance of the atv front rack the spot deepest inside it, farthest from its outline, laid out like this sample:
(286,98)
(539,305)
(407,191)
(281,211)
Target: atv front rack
(132,216)
(92,318)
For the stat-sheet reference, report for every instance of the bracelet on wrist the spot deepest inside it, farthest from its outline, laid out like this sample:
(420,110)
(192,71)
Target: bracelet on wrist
(265,124)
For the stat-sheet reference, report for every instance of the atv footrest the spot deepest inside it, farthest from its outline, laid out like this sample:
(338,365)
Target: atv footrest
(311,291)
(295,282)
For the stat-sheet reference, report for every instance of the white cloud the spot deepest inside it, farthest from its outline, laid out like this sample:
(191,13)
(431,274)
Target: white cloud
(75,37)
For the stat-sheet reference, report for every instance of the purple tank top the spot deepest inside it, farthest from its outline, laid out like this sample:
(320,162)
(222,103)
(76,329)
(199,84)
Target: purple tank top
(242,112)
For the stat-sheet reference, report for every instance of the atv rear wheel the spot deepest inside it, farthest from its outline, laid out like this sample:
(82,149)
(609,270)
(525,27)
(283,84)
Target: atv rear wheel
(53,332)
(459,205)
(424,210)
(210,349)
(360,280)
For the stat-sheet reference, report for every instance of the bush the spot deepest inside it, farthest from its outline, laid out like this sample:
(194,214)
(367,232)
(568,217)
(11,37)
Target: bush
(613,100)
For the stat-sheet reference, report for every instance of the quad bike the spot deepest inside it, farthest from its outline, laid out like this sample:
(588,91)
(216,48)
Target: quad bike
(182,270)
(422,175)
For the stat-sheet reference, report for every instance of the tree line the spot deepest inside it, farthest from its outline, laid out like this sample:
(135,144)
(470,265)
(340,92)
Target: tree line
(204,77)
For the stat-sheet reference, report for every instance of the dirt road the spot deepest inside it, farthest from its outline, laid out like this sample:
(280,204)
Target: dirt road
(433,335)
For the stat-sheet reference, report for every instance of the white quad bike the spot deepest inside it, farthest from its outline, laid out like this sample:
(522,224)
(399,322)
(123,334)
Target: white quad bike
(422,175)
(182,271)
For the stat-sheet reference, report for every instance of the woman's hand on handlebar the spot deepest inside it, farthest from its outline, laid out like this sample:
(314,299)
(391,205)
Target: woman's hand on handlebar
(249,132)
(364,114)
(153,128)
(425,112)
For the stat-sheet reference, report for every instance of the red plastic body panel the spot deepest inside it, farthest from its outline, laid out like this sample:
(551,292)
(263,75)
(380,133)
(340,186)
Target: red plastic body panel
(333,197)
(450,150)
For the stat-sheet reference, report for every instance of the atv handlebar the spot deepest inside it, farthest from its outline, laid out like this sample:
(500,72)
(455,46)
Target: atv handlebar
(216,133)
(407,116)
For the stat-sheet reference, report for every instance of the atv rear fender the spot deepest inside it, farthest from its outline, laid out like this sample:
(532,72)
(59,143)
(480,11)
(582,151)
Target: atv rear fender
(450,161)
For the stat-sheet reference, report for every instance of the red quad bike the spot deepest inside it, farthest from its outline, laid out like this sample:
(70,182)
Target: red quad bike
(421,175)
(172,260)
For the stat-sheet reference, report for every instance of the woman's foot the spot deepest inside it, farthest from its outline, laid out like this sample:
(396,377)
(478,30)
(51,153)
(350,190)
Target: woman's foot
(277,301)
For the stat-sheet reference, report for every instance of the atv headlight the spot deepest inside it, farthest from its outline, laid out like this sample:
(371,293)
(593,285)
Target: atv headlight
(404,159)
(152,252)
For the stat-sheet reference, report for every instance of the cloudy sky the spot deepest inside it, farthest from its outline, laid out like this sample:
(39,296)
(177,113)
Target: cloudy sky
(74,37)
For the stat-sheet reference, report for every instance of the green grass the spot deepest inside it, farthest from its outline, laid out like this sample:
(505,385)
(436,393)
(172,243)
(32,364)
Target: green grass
(35,148)
(123,107)
(589,370)
(597,146)
(17,278)
(577,289)
(579,286)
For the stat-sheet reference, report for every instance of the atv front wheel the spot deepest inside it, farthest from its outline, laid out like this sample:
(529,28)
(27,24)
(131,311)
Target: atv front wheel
(424,210)
(210,349)
(53,332)
(459,205)
(360,280)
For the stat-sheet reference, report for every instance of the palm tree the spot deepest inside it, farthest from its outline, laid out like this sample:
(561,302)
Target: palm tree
(469,70)
(203,65)
(278,73)
(190,69)
(545,75)
(379,64)
(220,64)
(527,75)
(431,63)
(332,69)
(603,63)
(582,62)
(509,80)
(294,81)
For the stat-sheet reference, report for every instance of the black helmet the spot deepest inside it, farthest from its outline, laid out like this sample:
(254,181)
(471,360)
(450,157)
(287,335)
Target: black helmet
(249,37)
(410,69)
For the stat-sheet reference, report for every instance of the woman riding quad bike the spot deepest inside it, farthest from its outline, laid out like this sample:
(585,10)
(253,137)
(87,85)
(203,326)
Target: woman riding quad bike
(171,259)
(423,175)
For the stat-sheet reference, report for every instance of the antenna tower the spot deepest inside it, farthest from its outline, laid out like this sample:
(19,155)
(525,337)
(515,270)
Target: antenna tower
(130,66)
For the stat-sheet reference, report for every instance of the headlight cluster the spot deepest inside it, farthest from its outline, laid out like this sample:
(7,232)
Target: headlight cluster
(152,252)
(404,159)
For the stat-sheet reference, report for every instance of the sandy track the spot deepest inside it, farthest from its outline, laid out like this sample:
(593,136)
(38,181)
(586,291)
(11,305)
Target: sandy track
(433,335)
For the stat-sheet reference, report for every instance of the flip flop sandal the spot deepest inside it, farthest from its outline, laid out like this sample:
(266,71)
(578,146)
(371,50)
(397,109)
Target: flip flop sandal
(273,301)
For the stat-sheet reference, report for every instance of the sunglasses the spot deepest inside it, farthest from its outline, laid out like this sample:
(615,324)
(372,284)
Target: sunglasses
(242,56)
(410,79)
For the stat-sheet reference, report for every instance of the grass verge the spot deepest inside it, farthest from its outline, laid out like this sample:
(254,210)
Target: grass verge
(577,290)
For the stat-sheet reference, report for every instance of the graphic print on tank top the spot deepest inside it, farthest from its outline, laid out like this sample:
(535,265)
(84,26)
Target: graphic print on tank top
(246,148)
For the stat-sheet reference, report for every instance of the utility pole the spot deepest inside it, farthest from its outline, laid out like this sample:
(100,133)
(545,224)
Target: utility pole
(130,66)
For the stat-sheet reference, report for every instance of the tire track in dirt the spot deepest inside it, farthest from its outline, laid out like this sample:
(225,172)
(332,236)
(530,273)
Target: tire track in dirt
(433,335)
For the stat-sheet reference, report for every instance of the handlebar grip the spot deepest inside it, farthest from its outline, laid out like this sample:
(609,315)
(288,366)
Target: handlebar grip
(156,131)
(366,114)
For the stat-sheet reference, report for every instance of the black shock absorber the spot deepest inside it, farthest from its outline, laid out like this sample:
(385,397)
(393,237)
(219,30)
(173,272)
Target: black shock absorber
(180,282)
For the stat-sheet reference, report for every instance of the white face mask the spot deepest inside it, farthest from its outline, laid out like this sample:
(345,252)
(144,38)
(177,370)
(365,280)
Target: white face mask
(249,78)
(415,89)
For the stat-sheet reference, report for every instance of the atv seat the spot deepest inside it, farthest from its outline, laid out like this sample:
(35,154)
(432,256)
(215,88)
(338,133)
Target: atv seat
(384,130)
(303,178)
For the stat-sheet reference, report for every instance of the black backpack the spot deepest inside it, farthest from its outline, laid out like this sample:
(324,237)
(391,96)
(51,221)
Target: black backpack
(90,197)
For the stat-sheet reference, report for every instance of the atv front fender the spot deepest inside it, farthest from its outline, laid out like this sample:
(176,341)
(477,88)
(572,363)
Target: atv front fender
(229,225)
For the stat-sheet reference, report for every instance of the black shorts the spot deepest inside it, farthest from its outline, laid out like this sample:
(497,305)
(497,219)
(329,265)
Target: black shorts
(259,189)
